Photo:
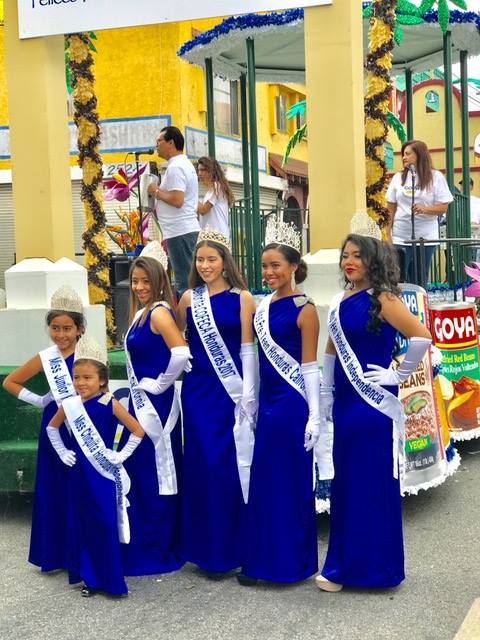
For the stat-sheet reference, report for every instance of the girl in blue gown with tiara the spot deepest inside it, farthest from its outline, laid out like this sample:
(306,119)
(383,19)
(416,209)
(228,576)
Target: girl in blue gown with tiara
(218,407)
(366,546)
(280,540)
(156,354)
(98,483)
(50,515)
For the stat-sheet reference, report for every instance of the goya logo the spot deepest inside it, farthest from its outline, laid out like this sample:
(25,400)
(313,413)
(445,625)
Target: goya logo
(455,327)
(47,3)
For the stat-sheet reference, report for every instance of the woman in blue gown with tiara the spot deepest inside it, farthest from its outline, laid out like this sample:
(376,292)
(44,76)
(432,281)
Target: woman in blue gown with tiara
(214,394)
(51,527)
(280,540)
(366,545)
(157,354)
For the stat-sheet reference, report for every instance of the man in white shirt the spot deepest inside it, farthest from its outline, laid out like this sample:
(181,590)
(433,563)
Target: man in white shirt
(176,204)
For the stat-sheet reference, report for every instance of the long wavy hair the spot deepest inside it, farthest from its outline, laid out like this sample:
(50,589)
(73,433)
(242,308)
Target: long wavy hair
(380,261)
(231,272)
(159,286)
(217,178)
(424,164)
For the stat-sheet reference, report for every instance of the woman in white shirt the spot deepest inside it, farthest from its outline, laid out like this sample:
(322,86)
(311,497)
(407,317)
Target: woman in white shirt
(431,199)
(213,209)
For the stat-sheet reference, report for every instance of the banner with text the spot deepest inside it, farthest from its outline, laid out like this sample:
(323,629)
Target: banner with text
(50,17)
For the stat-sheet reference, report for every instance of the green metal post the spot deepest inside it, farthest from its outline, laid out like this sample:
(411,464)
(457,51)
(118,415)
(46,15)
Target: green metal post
(465,142)
(452,230)
(210,110)
(249,248)
(409,99)
(255,200)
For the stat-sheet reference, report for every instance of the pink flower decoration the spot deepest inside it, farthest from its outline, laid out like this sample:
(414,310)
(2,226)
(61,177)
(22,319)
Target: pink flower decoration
(120,185)
(473,291)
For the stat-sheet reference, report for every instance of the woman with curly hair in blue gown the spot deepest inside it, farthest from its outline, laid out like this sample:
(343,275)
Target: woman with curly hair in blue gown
(366,544)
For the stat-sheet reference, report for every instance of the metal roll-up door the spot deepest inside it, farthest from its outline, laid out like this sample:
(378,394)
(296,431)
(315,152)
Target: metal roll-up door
(7,231)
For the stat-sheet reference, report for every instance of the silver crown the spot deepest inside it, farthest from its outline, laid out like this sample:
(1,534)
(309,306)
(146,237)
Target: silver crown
(88,348)
(155,250)
(66,299)
(363,225)
(212,235)
(282,232)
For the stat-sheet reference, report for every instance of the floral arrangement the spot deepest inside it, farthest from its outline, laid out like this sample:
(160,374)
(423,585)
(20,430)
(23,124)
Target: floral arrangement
(127,234)
(121,185)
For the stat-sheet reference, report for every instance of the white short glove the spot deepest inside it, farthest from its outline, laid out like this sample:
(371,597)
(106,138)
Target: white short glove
(67,456)
(311,377)
(393,376)
(34,399)
(249,401)
(119,457)
(178,359)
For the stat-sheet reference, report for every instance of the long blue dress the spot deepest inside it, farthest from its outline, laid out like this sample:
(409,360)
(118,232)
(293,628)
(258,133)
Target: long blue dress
(154,518)
(96,553)
(366,545)
(51,527)
(281,534)
(213,506)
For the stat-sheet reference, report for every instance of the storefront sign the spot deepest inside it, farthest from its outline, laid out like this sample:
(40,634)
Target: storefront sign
(50,17)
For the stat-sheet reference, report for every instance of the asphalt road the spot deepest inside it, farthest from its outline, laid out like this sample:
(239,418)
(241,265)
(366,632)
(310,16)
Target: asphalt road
(442,545)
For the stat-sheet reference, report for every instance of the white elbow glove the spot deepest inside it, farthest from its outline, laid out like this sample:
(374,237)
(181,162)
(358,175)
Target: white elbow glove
(35,399)
(179,357)
(311,376)
(327,387)
(67,456)
(392,376)
(249,401)
(119,457)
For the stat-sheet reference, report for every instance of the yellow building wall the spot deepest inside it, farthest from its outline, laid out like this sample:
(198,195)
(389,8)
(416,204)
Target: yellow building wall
(138,73)
(430,127)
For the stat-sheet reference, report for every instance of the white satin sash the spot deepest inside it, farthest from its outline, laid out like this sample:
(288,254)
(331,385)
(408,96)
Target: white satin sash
(57,374)
(373,394)
(151,423)
(93,447)
(224,366)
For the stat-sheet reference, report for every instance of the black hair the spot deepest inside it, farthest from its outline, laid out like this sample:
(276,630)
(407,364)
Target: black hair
(292,256)
(380,261)
(77,318)
(102,370)
(231,272)
(174,133)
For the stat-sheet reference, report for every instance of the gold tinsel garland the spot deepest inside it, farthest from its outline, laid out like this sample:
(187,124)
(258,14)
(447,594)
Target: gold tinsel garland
(378,65)
(86,119)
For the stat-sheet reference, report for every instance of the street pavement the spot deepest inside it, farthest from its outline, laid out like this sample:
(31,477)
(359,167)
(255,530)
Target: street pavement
(442,540)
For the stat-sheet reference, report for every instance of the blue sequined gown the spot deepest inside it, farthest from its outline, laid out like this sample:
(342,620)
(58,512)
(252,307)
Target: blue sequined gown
(281,534)
(366,545)
(154,518)
(213,506)
(96,552)
(50,532)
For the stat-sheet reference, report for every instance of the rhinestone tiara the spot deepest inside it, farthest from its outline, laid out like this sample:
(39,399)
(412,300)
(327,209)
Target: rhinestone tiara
(213,236)
(66,299)
(89,349)
(155,250)
(282,232)
(363,225)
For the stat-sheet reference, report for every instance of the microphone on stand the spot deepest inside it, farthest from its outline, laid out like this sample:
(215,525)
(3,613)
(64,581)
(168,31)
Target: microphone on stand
(413,169)
(147,152)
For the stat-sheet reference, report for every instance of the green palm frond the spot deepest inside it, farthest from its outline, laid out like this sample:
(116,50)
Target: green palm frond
(297,108)
(395,124)
(294,140)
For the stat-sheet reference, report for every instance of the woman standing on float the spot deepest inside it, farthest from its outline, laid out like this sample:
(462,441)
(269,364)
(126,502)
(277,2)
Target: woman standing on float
(155,354)
(366,546)
(280,541)
(219,407)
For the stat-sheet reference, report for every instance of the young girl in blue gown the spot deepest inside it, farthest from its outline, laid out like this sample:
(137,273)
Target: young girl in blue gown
(280,540)
(50,515)
(96,474)
(366,546)
(218,400)
(157,353)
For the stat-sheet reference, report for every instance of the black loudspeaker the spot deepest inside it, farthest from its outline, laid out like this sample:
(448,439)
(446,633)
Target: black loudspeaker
(119,268)
(120,309)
